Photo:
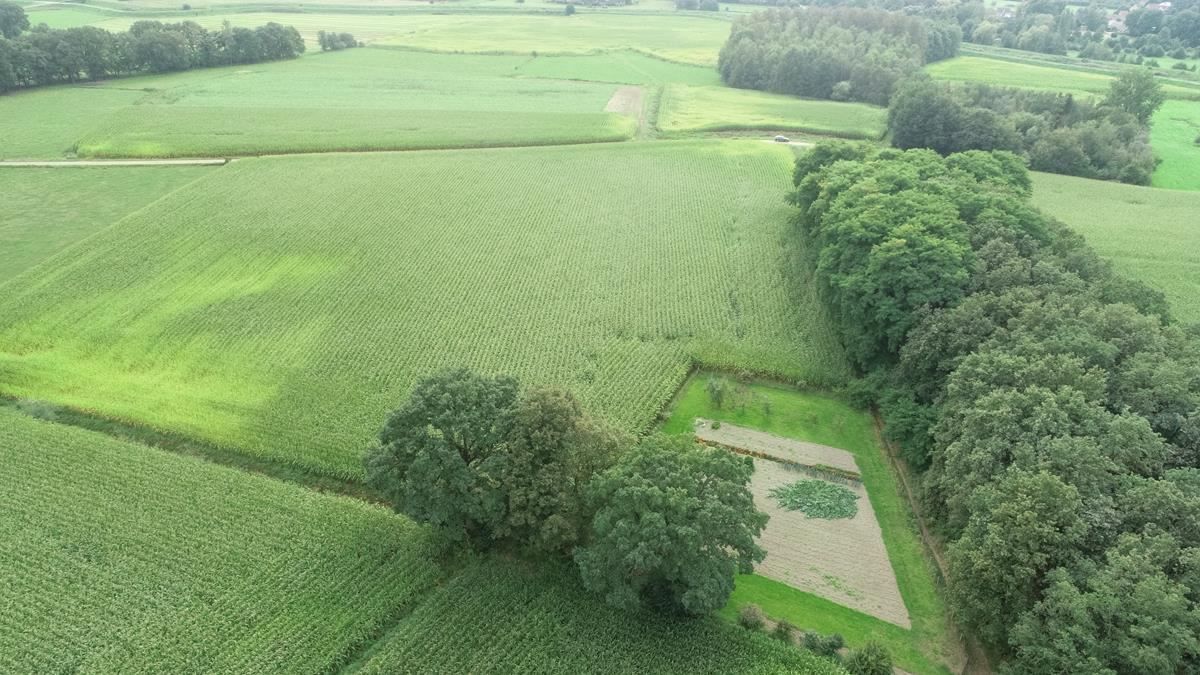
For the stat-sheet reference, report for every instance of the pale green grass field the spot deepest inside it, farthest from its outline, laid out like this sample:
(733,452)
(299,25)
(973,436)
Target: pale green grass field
(1029,76)
(118,558)
(686,109)
(282,306)
(1173,136)
(1150,234)
(625,67)
(47,210)
(819,418)
(362,99)
(685,38)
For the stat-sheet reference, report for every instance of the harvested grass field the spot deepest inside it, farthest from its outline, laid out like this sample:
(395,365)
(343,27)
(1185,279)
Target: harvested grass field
(503,617)
(842,560)
(1148,233)
(687,108)
(820,419)
(48,210)
(1030,76)
(279,307)
(622,67)
(1173,136)
(117,558)
(48,123)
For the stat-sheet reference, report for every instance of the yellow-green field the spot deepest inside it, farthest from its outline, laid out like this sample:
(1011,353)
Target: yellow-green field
(1174,135)
(688,109)
(281,306)
(1029,76)
(1148,233)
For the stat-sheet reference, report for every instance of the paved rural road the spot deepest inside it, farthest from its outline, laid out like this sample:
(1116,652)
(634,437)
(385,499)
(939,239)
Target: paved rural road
(113,162)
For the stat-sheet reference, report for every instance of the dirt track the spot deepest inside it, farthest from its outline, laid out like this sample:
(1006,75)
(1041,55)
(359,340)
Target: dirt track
(84,163)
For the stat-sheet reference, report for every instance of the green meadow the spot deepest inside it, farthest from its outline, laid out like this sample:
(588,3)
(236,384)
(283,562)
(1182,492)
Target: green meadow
(1174,136)
(690,109)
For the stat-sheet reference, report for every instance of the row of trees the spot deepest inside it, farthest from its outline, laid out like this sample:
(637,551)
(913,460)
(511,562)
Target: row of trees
(663,522)
(47,56)
(1051,405)
(1054,132)
(838,53)
(330,41)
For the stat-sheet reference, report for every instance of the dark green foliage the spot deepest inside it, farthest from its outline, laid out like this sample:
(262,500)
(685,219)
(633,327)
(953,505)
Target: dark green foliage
(331,41)
(717,389)
(842,53)
(817,499)
(751,617)
(824,645)
(674,522)
(784,632)
(87,53)
(1052,405)
(1054,132)
(569,10)
(13,21)
(870,659)
(1135,91)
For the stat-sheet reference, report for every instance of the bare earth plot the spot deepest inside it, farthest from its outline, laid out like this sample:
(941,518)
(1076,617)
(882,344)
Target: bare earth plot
(842,560)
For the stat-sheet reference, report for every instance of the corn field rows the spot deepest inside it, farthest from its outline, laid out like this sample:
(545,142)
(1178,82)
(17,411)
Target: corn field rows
(120,559)
(282,306)
(499,617)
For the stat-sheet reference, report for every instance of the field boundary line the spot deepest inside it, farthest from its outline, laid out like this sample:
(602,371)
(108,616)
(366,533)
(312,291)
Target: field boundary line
(108,163)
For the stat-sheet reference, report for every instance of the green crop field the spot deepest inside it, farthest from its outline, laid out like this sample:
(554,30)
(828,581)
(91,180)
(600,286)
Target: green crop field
(818,418)
(683,38)
(117,558)
(1148,233)
(502,617)
(626,67)
(81,203)
(1174,136)
(686,108)
(369,99)
(1030,76)
(281,306)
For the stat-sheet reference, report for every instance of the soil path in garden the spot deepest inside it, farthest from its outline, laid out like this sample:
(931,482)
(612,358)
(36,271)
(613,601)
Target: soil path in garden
(776,447)
(83,163)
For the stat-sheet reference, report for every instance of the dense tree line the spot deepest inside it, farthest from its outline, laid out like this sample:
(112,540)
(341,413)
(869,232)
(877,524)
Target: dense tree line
(330,41)
(1054,132)
(661,522)
(836,53)
(47,56)
(1051,405)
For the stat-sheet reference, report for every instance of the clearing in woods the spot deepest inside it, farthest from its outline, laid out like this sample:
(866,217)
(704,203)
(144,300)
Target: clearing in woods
(280,306)
(843,560)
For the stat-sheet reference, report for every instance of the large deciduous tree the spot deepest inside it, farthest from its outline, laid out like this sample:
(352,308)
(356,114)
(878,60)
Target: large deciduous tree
(13,20)
(675,521)
(1136,92)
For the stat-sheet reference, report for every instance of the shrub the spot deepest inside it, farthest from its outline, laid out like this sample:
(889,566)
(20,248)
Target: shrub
(717,424)
(718,390)
(751,617)
(569,10)
(872,659)
(823,645)
(783,631)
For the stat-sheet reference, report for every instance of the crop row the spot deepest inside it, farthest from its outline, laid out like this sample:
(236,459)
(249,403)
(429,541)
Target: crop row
(118,558)
(282,306)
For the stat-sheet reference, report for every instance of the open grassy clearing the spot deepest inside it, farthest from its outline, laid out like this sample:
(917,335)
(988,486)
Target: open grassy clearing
(369,100)
(1173,136)
(684,38)
(47,210)
(1030,76)
(686,108)
(828,421)
(1148,233)
(281,306)
(502,617)
(119,558)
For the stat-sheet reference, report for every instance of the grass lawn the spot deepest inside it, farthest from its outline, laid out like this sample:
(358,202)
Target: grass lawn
(686,108)
(828,421)
(281,306)
(1148,233)
(1175,130)
(118,558)
(47,210)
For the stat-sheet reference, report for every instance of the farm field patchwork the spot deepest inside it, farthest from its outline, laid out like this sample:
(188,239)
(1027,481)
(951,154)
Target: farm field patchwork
(1148,233)
(820,419)
(685,39)
(687,108)
(281,306)
(121,558)
(85,201)
(503,617)
(1175,130)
